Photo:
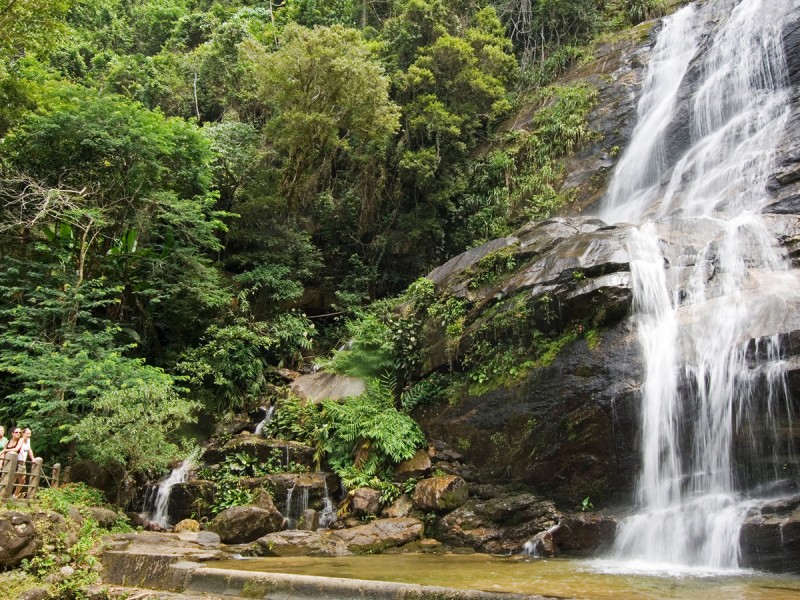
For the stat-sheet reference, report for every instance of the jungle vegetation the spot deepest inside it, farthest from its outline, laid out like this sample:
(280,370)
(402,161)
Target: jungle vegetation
(197,193)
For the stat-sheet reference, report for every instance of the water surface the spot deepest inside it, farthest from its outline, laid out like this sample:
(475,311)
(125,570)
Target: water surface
(589,580)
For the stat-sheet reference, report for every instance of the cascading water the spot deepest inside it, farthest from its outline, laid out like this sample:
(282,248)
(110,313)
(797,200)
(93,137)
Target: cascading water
(157,503)
(269,412)
(707,280)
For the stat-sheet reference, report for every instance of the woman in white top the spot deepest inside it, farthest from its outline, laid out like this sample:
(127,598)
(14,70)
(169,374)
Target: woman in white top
(25,453)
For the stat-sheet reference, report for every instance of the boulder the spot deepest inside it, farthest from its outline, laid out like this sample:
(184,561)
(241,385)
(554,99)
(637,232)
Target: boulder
(440,494)
(584,534)
(380,535)
(309,520)
(105,517)
(242,524)
(316,387)
(365,502)
(191,499)
(18,538)
(401,507)
(295,542)
(186,525)
(497,520)
(415,467)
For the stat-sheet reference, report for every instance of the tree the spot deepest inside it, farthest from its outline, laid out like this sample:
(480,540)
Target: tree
(145,218)
(329,103)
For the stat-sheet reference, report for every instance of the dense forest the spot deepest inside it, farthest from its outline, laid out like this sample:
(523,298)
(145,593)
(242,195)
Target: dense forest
(195,194)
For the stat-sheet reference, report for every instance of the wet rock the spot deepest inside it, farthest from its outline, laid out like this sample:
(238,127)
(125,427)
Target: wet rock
(417,466)
(770,537)
(365,502)
(309,520)
(265,450)
(500,521)
(380,535)
(315,485)
(567,430)
(440,494)
(584,534)
(301,543)
(191,499)
(242,524)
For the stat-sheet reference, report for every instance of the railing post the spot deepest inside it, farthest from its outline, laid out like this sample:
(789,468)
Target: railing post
(11,475)
(55,474)
(33,478)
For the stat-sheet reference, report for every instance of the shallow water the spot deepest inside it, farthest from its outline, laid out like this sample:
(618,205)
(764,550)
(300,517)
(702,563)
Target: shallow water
(589,580)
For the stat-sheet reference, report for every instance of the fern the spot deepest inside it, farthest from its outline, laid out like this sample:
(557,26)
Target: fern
(369,435)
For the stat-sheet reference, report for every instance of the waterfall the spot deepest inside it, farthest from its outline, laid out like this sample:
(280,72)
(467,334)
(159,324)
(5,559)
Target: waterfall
(269,412)
(296,505)
(708,280)
(157,503)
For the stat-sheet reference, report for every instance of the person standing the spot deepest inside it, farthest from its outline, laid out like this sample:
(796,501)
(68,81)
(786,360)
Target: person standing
(24,455)
(3,438)
(11,445)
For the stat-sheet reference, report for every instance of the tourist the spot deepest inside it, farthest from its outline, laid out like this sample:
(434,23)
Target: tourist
(11,445)
(24,455)
(3,438)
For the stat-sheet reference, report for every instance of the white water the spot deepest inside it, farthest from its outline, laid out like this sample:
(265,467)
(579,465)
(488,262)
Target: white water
(269,413)
(157,504)
(707,280)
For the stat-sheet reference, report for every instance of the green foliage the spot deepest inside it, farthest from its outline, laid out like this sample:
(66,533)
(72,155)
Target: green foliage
(491,267)
(330,107)
(368,436)
(60,499)
(126,424)
(521,182)
(642,10)
(232,362)
(229,491)
(430,390)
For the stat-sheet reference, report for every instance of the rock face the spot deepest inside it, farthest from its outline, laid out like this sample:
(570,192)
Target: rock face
(770,537)
(242,524)
(568,428)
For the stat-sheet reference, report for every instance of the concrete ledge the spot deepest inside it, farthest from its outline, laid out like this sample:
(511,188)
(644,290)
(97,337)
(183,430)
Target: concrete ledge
(281,586)
(147,570)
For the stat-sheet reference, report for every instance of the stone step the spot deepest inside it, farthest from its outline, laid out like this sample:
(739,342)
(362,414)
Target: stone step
(228,583)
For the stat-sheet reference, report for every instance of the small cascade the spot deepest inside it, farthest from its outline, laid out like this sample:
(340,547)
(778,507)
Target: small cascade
(269,413)
(156,505)
(296,505)
(542,544)
(328,513)
(709,283)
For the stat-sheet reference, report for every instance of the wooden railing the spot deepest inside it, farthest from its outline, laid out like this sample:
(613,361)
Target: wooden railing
(33,477)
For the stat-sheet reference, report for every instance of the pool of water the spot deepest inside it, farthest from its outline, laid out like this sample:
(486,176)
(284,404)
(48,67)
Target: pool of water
(590,580)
